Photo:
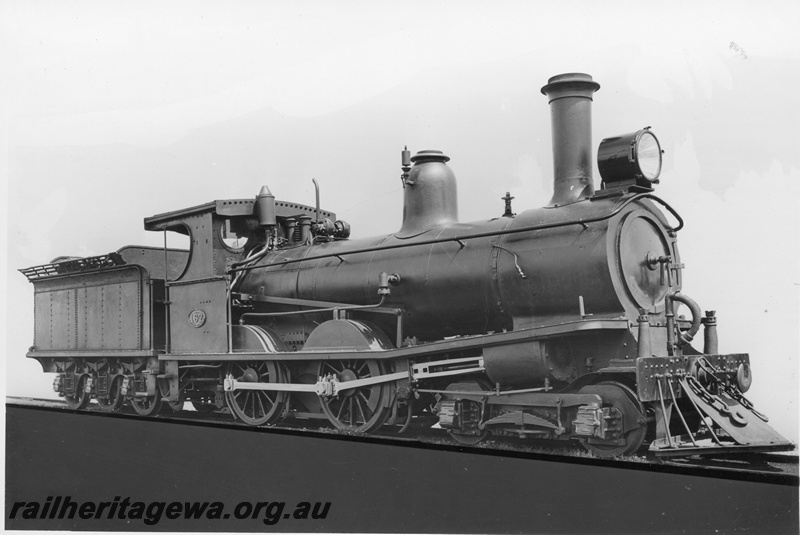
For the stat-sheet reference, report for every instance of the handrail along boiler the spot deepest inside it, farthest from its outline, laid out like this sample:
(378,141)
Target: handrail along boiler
(556,323)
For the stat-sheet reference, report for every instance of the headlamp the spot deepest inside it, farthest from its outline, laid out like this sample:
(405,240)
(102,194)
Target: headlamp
(633,158)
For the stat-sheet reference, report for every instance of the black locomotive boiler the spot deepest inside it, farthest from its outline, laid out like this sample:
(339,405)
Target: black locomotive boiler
(558,323)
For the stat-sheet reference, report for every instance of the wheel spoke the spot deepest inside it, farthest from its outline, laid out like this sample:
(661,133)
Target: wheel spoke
(268,398)
(360,409)
(350,410)
(332,368)
(247,396)
(251,397)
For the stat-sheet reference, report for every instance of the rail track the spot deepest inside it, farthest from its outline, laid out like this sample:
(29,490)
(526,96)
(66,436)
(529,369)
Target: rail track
(772,468)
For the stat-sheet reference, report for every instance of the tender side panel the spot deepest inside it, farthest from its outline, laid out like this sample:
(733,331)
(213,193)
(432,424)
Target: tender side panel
(109,310)
(54,327)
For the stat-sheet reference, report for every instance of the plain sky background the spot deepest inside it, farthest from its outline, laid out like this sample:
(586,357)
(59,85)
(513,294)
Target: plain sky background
(115,111)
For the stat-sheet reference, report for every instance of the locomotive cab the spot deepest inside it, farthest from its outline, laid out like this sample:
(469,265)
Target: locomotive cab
(222,233)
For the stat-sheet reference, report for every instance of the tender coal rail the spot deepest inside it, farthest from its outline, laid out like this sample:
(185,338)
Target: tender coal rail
(771,468)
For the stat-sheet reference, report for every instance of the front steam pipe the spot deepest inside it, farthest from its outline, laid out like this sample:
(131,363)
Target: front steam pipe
(694,308)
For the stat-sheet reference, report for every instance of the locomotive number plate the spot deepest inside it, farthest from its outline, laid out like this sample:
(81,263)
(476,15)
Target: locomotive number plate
(197,318)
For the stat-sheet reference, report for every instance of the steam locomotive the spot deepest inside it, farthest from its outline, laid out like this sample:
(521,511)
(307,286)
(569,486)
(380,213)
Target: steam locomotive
(558,323)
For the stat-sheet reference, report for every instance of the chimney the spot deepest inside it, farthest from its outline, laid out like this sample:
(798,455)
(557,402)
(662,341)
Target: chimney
(570,97)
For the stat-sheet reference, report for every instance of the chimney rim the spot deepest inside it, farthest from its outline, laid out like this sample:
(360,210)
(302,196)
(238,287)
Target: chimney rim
(577,81)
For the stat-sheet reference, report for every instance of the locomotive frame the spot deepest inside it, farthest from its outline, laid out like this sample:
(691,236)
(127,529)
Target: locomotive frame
(274,313)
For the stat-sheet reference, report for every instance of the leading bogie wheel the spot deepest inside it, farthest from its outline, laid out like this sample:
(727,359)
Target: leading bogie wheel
(633,411)
(472,407)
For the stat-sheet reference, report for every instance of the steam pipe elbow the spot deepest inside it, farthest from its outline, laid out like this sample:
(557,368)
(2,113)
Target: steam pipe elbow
(697,316)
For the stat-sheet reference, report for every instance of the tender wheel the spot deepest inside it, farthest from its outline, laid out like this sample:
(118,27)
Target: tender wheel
(256,407)
(358,409)
(115,398)
(175,406)
(621,397)
(80,399)
(147,405)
